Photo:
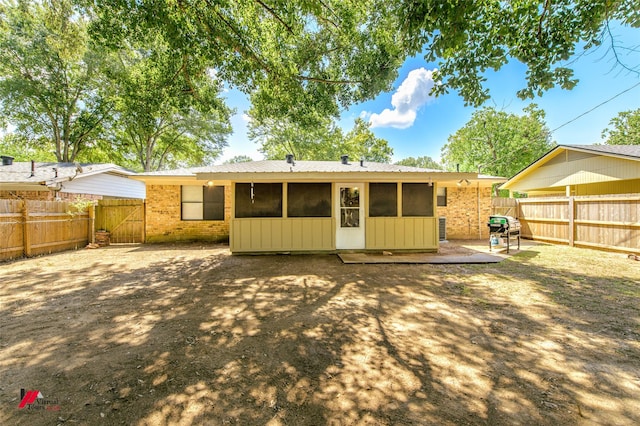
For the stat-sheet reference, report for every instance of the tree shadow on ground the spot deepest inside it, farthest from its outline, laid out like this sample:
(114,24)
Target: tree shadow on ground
(186,334)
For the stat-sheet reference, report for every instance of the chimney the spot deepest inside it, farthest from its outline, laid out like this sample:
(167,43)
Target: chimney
(290,158)
(344,159)
(458,168)
(6,160)
(361,162)
(33,168)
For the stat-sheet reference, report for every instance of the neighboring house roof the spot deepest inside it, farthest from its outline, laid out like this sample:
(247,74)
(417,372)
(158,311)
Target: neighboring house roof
(540,174)
(50,173)
(280,169)
(626,151)
(107,178)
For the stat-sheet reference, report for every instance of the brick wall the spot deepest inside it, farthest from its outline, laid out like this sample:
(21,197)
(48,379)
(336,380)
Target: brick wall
(461,212)
(27,195)
(163,222)
(46,196)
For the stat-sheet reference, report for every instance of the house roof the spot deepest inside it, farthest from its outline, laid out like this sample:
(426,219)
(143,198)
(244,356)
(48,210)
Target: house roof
(280,166)
(625,152)
(50,173)
(276,169)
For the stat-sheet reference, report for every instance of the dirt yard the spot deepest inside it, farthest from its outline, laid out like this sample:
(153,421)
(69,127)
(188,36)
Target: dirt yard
(188,334)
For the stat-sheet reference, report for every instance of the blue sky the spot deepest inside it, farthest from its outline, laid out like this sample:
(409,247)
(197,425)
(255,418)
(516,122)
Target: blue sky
(417,125)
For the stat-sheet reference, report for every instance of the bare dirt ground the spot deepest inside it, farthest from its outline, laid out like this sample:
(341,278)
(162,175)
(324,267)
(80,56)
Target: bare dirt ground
(188,334)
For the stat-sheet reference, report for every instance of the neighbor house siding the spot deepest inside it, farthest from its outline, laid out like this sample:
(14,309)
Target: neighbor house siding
(466,218)
(164,222)
(576,168)
(105,185)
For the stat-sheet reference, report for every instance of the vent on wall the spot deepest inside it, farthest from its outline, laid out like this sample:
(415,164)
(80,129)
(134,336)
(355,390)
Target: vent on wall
(442,228)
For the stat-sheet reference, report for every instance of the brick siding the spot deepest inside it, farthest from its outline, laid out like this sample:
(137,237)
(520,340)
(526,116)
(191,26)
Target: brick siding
(163,223)
(163,218)
(461,212)
(46,196)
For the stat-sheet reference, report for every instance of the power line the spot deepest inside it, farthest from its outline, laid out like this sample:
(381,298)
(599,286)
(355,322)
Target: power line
(596,107)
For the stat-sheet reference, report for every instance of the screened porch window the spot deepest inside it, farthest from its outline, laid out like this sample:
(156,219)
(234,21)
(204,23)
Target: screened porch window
(383,200)
(258,200)
(202,203)
(417,199)
(309,200)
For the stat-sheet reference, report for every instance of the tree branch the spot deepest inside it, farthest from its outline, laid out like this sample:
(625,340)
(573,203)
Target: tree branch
(276,16)
(545,10)
(327,81)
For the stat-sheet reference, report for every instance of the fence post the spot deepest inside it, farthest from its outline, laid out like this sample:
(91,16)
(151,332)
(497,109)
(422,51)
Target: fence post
(92,224)
(26,231)
(572,219)
(144,221)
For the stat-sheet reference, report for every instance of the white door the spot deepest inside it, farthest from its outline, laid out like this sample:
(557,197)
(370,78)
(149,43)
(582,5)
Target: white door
(350,214)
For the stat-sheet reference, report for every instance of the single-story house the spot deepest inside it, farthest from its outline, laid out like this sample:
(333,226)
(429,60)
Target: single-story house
(66,181)
(575,170)
(318,206)
(582,195)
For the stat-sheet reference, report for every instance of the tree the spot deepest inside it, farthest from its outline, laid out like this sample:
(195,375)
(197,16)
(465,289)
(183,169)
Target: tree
(239,159)
(469,37)
(422,162)
(297,58)
(281,137)
(50,76)
(360,142)
(321,55)
(625,129)
(498,143)
(168,113)
(22,149)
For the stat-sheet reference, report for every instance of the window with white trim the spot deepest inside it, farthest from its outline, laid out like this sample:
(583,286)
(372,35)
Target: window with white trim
(202,202)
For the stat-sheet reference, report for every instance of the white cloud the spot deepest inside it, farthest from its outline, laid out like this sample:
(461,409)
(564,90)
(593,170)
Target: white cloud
(413,93)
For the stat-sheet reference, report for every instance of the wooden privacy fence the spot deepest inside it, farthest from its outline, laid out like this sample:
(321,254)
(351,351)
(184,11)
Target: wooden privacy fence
(609,222)
(504,206)
(123,219)
(29,228)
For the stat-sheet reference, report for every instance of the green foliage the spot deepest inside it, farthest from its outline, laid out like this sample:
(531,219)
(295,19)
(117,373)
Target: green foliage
(292,57)
(318,142)
(498,143)
(49,76)
(168,111)
(469,37)
(80,205)
(625,129)
(422,162)
(323,55)
(21,148)
(239,159)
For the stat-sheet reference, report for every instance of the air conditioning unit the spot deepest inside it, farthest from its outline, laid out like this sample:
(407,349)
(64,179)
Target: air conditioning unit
(442,228)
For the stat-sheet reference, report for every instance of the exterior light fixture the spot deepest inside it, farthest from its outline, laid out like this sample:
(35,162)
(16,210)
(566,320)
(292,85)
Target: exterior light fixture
(210,183)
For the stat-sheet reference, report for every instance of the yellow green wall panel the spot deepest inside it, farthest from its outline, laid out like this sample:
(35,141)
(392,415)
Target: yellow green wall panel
(402,233)
(282,234)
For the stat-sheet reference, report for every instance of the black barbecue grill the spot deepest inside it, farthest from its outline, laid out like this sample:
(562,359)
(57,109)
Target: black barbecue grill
(505,228)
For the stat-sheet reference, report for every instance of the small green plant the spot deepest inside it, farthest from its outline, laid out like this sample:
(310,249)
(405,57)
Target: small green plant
(80,205)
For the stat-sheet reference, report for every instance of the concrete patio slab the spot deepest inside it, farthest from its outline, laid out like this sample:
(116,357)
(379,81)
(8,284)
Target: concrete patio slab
(459,252)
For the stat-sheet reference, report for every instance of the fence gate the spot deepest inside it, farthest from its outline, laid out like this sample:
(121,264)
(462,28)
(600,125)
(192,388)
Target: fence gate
(123,219)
